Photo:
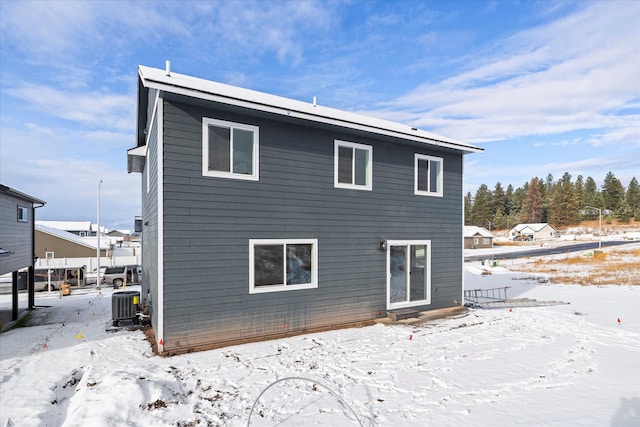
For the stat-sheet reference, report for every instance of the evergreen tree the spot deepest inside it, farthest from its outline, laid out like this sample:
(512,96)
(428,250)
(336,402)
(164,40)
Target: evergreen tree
(612,192)
(591,195)
(563,207)
(482,203)
(623,213)
(633,198)
(560,203)
(578,191)
(548,185)
(518,200)
(468,209)
(499,199)
(509,202)
(532,210)
(545,191)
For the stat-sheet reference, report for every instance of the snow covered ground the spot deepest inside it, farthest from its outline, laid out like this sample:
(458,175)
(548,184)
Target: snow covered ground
(563,365)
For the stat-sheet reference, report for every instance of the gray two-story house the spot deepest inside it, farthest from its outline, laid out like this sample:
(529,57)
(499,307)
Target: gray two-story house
(265,216)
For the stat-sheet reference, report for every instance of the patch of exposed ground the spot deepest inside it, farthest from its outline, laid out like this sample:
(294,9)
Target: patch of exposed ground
(609,266)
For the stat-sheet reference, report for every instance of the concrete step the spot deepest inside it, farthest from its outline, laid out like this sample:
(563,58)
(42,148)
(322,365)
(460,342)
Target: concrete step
(402,313)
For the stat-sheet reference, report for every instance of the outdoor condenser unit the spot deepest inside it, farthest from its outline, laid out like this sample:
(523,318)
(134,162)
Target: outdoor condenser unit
(124,305)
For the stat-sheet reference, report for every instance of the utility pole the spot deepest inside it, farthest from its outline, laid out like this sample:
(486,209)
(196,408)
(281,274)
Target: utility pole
(599,224)
(98,248)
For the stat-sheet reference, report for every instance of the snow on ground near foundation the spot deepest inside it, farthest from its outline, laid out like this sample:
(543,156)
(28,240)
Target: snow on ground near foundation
(565,365)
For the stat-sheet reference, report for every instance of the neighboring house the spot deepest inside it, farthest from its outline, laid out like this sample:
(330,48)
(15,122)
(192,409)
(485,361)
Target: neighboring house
(54,243)
(477,237)
(17,219)
(538,231)
(57,248)
(79,228)
(264,216)
(118,233)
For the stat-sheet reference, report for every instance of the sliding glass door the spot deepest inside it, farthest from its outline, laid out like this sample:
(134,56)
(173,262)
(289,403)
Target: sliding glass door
(408,273)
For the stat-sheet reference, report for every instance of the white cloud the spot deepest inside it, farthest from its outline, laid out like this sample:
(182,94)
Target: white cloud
(45,28)
(63,166)
(61,34)
(91,108)
(245,32)
(579,72)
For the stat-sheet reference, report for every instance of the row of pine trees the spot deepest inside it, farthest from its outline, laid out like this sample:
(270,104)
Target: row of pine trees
(560,203)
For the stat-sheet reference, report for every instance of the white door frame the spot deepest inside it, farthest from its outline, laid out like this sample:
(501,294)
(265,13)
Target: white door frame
(408,244)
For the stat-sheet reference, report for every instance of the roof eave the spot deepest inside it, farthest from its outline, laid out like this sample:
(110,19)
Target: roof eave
(20,195)
(351,119)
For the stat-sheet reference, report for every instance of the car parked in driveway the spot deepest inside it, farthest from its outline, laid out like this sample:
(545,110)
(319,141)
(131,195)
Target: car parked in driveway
(91,277)
(118,275)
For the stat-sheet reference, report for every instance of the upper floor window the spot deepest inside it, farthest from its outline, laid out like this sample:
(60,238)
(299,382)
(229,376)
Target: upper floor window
(428,175)
(229,150)
(352,165)
(23,214)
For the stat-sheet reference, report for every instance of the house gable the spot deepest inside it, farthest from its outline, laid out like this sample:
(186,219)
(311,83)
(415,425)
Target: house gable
(534,231)
(62,244)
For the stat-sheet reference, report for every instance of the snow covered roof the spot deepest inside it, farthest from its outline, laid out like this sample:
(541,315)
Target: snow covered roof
(472,230)
(67,225)
(62,234)
(213,91)
(534,226)
(89,242)
(20,195)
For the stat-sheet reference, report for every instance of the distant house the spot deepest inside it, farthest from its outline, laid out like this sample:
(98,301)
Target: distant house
(264,216)
(477,237)
(537,231)
(79,228)
(17,219)
(55,243)
(118,233)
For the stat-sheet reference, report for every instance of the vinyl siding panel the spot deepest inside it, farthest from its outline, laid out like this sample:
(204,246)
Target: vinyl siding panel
(208,223)
(15,236)
(150,262)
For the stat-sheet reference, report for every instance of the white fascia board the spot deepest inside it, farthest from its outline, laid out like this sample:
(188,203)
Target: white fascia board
(218,92)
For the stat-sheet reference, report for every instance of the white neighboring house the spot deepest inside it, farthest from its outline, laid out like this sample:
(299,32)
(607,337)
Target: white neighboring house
(477,237)
(79,228)
(537,231)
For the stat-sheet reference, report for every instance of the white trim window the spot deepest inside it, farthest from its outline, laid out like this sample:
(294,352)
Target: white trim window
(229,150)
(428,175)
(23,214)
(352,165)
(408,273)
(49,255)
(282,265)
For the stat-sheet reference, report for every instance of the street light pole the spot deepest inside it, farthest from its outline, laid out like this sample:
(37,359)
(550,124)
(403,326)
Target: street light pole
(98,248)
(599,225)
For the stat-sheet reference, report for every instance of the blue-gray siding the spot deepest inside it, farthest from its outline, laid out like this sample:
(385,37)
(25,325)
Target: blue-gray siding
(15,236)
(150,221)
(208,223)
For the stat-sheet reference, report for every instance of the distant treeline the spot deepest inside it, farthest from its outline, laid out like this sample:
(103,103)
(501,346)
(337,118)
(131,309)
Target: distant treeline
(561,202)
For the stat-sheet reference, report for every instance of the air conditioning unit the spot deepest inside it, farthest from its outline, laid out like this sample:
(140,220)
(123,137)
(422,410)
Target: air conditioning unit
(124,306)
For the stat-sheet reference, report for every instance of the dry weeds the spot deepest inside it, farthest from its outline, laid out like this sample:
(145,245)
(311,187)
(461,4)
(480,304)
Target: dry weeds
(608,267)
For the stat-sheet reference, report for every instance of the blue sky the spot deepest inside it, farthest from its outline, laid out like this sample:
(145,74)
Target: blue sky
(544,86)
